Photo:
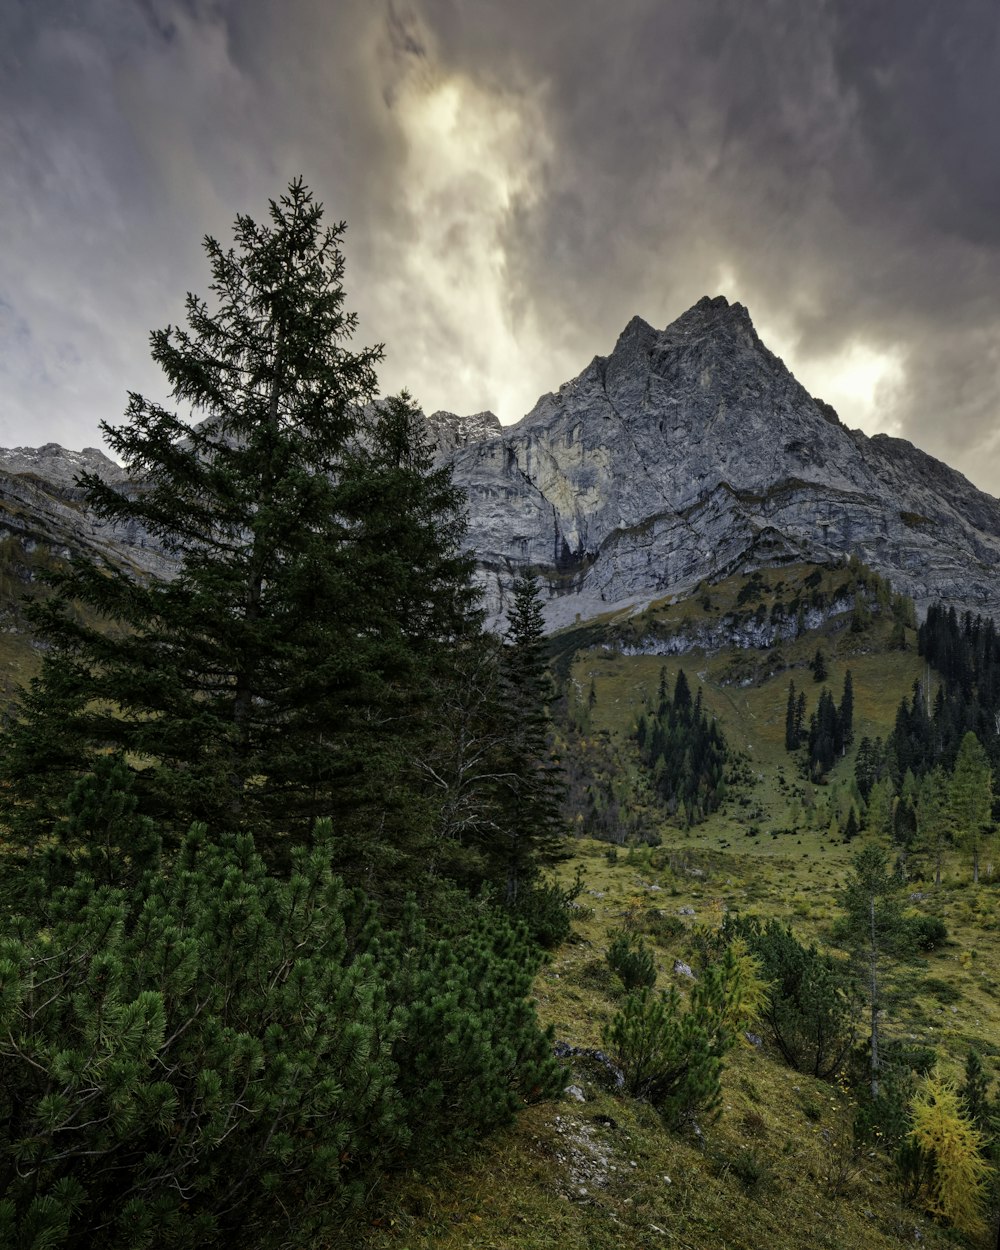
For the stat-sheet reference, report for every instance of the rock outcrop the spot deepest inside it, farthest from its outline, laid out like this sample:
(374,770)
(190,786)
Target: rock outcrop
(686,455)
(691,453)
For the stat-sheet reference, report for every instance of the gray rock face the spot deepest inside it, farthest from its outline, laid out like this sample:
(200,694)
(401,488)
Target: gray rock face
(41,505)
(691,453)
(687,454)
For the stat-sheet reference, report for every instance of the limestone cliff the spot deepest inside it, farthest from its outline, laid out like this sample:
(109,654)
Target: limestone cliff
(692,452)
(687,454)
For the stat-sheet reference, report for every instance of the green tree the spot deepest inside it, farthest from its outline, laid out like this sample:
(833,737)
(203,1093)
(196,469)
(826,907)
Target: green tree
(874,922)
(845,714)
(933,818)
(972,798)
(534,786)
(279,675)
(791,721)
(818,665)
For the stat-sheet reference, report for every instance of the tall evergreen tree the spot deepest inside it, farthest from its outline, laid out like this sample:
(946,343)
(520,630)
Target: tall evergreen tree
(534,785)
(845,713)
(791,732)
(273,678)
(972,798)
(933,823)
(874,921)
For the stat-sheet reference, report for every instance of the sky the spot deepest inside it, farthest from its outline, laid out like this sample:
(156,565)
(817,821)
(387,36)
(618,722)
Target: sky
(518,180)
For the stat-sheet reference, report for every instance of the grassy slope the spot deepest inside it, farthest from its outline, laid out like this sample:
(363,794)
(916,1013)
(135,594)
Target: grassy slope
(777,1169)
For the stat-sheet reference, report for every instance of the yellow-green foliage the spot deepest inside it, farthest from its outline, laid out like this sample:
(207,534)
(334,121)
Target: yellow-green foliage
(956,1177)
(747,992)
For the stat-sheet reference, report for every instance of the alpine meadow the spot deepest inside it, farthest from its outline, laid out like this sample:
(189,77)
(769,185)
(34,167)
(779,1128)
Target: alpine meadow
(419,832)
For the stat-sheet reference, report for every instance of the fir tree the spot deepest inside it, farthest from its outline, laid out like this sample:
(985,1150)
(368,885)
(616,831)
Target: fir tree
(534,791)
(279,675)
(972,798)
(845,714)
(791,729)
(933,820)
(818,665)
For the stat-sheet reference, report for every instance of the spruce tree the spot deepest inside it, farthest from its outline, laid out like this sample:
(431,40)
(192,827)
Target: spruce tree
(845,714)
(874,923)
(533,785)
(791,729)
(972,798)
(277,676)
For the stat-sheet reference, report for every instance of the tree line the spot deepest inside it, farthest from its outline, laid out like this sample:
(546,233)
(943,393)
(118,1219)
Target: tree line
(684,751)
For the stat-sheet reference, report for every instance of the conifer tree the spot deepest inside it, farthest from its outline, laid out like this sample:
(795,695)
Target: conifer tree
(534,785)
(845,714)
(933,820)
(791,728)
(972,798)
(874,922)
(277,676)
(955,1188)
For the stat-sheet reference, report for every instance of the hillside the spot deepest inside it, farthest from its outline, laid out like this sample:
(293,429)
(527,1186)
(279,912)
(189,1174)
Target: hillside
(780,1167)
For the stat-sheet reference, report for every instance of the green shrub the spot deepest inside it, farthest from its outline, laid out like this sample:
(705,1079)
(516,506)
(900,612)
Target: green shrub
(632,961)
(546,908)
(662,927)
(467,1045)
(672,1057)
(216,1050)
(810,1013)
(926,933)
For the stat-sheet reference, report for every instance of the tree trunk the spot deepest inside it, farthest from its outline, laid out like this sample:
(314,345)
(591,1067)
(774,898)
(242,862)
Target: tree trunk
(873,990)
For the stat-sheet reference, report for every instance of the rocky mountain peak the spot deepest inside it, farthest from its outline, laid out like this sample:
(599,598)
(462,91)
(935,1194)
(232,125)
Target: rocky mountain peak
(685,455)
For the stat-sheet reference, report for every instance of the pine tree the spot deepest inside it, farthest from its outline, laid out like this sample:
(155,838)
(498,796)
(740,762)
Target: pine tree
(845,714)
(278,675)
(791,734)
(933,819)
(818,665)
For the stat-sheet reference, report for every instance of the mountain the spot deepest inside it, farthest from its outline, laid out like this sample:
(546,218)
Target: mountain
(691,453)
(686,455)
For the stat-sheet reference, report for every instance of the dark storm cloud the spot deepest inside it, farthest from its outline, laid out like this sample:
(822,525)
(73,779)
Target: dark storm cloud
(519,179)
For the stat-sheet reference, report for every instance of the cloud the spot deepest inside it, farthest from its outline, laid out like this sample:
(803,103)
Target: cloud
(518,180)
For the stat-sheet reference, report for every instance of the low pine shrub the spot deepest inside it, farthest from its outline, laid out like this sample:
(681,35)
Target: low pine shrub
(214,1051)
(632,961)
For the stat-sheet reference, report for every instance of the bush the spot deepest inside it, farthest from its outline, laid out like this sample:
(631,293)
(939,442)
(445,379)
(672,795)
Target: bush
(810,1015)
(925,933)
(216,1049)
(673,1058)
(546,908)
(467,1046)
(632,961)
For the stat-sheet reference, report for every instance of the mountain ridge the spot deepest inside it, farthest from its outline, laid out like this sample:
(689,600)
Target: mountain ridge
(692,452)
(684,455)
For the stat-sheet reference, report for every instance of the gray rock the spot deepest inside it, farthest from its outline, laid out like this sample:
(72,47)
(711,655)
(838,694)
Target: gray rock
(685,455)
(691,453)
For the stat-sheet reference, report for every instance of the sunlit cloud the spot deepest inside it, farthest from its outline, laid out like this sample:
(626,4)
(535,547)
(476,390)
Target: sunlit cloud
(862,382)
(474,159)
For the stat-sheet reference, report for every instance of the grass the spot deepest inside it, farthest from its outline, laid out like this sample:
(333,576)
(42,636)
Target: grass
(779,1168)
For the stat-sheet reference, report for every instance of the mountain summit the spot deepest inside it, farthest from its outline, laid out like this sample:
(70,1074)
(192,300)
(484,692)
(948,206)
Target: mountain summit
(685,455)
(692,452)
